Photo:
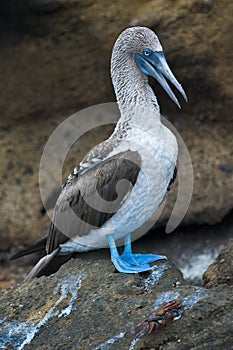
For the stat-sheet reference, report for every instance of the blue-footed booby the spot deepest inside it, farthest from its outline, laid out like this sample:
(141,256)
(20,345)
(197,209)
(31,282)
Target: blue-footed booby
(141,150)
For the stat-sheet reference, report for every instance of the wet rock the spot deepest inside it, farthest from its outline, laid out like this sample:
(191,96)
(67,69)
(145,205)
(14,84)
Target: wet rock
(88,306)
(221,271)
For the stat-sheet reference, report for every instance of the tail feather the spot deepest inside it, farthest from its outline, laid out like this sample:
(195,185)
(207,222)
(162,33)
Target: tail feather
(38,246)
(49,264)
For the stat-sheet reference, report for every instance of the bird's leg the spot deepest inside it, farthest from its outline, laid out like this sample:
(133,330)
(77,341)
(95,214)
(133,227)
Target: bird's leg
(122,265)
(128,245)
(137,259)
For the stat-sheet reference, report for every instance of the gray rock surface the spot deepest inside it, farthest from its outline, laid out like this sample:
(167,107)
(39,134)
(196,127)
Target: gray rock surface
(88,306)
(220,272)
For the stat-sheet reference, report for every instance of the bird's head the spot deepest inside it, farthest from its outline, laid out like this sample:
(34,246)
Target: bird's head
(143,44)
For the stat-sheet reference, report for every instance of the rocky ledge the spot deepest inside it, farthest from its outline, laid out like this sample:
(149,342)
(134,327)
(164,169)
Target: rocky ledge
(89,306)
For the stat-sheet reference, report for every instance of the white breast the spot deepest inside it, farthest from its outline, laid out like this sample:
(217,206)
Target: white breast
(158,154)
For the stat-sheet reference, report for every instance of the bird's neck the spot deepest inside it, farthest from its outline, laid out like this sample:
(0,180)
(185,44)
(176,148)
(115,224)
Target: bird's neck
(136,100)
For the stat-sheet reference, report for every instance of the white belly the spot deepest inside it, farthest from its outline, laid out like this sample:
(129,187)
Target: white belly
(157,168)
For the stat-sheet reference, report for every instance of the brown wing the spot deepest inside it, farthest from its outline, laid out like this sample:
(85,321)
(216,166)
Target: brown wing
(92,197)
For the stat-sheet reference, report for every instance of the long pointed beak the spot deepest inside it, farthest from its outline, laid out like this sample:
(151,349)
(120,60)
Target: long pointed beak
(155,65)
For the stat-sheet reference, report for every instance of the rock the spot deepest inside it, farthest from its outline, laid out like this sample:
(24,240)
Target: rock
(88,306)
(64,58)
(207,4)
(226,167)
(221,271)
(45,6)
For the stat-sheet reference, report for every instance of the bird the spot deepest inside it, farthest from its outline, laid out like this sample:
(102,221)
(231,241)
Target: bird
(131,171)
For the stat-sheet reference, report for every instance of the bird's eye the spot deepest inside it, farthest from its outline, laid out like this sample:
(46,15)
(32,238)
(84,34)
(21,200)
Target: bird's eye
(147,52)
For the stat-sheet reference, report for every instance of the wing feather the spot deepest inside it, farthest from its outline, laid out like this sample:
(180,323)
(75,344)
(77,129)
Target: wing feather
(79,207)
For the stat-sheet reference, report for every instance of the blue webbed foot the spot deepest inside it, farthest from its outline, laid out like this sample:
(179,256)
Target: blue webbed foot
(123,266)
(138,259)
(129,262)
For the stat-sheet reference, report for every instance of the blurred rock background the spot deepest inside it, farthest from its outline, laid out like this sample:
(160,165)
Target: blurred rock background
(54,61)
